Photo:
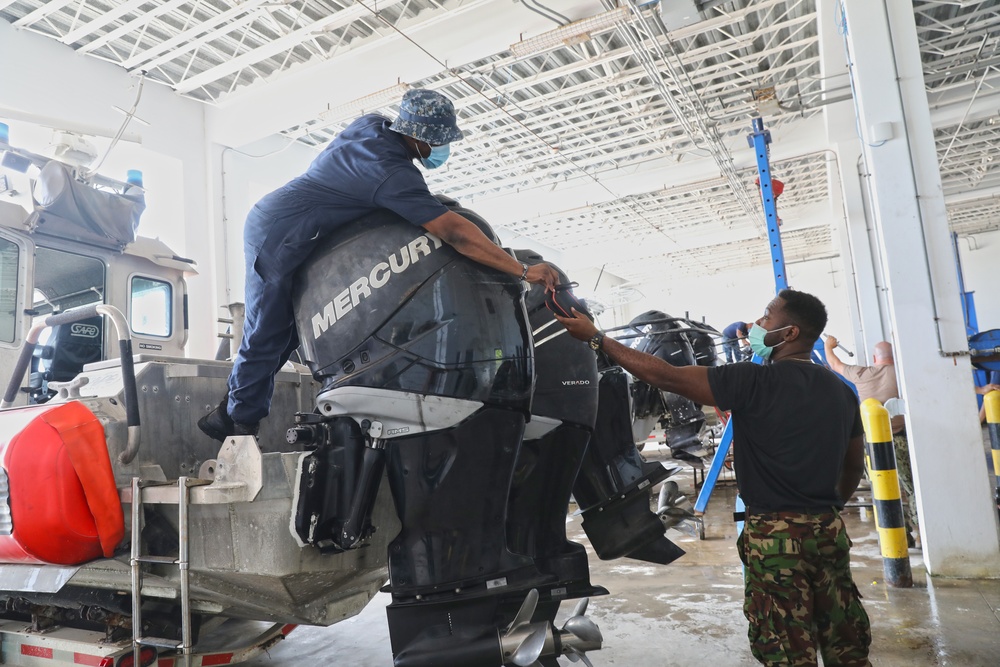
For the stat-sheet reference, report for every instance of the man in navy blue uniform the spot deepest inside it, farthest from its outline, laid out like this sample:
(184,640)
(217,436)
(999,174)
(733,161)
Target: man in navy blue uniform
(367,167)
(733,338)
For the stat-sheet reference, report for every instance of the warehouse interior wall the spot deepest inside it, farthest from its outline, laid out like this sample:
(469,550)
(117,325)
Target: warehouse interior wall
(980,255)
(245,175)
(741,296)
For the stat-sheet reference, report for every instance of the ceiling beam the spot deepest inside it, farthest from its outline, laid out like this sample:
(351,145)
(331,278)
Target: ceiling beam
(340,19)
(134,25)
(45,10)
(101,20)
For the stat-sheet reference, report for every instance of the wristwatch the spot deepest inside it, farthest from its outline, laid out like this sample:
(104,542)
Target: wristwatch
(596,341)
(524,273)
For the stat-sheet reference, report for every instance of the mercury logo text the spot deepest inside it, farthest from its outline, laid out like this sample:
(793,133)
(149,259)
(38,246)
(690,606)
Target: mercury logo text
(380,274)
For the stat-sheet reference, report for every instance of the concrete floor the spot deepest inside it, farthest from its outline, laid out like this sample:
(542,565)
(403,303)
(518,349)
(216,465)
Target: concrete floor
(690,614)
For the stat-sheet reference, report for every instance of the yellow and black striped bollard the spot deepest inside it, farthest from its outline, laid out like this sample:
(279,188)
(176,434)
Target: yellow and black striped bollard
(992,404)
(885,494)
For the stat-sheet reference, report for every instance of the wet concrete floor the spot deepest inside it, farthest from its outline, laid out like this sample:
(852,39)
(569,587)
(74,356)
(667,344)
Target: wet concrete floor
(689,613)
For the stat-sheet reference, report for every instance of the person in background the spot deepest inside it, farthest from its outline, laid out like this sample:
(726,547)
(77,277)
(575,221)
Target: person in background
(993,384)
(367,167)
(733,339)
(878,381)
(799,456)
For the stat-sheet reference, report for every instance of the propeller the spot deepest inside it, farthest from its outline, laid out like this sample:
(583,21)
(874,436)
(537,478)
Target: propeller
(527,610)
(671,514)
(580,634)
(528,638)
(577,656)
(524,643)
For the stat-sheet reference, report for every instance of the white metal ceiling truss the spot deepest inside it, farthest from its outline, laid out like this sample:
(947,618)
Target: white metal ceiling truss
(208,48)
(681,227)
(630,94)
(975,216)
(968,155)
(959,46)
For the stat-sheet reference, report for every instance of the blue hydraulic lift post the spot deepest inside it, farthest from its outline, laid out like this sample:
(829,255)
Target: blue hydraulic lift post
(758,139)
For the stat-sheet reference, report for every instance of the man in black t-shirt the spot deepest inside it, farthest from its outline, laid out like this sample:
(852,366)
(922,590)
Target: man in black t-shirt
(799,456)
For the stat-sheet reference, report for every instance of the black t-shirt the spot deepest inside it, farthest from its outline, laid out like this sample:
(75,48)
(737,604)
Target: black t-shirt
(792,421)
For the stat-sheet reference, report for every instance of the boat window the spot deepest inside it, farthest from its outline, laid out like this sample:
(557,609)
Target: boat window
(9,267)
(150,307)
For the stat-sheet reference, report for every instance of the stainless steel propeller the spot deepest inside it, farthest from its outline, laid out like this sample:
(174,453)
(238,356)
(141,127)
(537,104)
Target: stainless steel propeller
(526,644)
(523,641)
(580,634)
(672,514)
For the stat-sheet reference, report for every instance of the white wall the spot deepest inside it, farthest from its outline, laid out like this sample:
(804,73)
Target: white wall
(981,265)
(725,298)
(245,175)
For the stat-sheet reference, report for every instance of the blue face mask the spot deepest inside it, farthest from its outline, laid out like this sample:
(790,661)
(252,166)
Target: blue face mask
(756,337)
(439,155)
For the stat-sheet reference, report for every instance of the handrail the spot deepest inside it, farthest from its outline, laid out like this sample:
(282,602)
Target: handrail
(131,395)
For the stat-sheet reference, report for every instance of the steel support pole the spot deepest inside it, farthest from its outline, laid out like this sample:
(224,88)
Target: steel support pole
(758,139)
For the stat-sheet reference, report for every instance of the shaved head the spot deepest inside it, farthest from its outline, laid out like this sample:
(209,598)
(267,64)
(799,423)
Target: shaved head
(883,353)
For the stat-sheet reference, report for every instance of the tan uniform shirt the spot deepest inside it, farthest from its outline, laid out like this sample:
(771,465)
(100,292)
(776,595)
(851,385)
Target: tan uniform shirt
(878,382)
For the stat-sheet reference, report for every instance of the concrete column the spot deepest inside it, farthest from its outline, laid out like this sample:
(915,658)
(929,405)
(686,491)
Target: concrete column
(854,229)
(959,527)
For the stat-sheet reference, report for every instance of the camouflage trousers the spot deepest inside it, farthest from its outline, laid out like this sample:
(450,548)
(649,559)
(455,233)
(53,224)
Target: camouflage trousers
(800,595)
(905,476)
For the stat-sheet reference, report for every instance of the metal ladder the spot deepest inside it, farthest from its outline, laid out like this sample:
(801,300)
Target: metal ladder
(183,484)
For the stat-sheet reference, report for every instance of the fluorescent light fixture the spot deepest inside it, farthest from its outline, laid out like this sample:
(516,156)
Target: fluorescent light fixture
(366,104)
(570,34)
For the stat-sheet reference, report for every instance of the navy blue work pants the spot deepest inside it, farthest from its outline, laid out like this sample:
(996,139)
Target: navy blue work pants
(274,249)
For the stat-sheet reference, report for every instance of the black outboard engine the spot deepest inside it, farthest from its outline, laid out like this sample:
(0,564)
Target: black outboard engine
(563,413)
(426,366)
(676,341)
(614,485)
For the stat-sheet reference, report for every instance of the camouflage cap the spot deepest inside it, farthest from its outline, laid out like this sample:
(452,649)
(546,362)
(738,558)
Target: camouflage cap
(428,116)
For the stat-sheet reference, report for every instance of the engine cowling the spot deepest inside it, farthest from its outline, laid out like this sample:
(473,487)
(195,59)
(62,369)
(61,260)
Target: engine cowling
(383,304)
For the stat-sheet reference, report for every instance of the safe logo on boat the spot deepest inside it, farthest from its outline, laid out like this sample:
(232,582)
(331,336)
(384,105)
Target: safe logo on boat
(84,330)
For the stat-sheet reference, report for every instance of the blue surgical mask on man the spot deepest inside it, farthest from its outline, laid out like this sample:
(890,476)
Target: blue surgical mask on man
(439,155)
(756,337)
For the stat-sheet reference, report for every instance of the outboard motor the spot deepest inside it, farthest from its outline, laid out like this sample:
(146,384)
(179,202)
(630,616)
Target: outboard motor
(563,413)
(615,482)
(676,342)
(426,366)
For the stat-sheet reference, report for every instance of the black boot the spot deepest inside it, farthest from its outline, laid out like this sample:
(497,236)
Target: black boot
(246,429)
(217,424)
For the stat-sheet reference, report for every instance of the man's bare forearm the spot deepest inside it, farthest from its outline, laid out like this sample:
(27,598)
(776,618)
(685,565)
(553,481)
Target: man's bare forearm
(688,381)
